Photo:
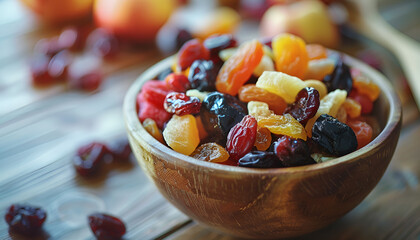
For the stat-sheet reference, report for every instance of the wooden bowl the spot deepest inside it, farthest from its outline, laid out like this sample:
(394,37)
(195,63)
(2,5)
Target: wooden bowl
(266,203)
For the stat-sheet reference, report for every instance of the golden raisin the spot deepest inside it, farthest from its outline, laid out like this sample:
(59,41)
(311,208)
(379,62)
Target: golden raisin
(290,55)
(352,107)
(284,125)
(250,92)
(239,67)
(151,127)
(211,152)
(263,139)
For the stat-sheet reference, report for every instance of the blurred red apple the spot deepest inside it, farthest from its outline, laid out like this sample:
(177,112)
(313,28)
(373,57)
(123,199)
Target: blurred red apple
(136,20)
(53,11)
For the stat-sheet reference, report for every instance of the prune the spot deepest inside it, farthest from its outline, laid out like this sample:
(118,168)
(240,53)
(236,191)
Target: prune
(177,82)
(25,219)
(241,138)
(219,113)
(89,158)
(202,75)
(340,78)
(181,104)
(334,136)
(293,152)
(260,159)
(106,227)
(217,43)
(305,106)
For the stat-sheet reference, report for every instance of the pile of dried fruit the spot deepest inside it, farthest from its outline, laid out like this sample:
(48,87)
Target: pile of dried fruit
(277,104)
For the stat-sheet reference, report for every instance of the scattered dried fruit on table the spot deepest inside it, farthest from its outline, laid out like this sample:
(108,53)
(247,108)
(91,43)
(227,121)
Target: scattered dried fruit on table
(106,227)
(25,219)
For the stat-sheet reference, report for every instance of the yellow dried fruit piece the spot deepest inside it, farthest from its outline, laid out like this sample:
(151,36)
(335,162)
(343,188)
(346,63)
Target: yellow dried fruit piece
(282,84)
(266,64)
(318,69)
(181,134)
(366,86)
(328,105)
(196,93)
(151,127)
(259,109)
(352,107)
(319,86)
(211,152)
(342,114)
(284,125)
(225,54)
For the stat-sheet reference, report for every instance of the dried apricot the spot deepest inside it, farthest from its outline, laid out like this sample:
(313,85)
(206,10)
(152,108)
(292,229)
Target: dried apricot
(181,134)
(250,92)
(352,107)
(316,51)
(366,86)
(211,152)
(290,55)
(238,68)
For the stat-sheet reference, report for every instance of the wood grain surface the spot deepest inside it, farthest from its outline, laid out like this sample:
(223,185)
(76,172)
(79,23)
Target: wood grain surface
(41,129)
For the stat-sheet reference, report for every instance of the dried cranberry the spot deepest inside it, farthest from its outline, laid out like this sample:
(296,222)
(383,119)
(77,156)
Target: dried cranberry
(39,71)
(334,136)
(155,92)
(305,106)
(181,104)
(120,150)
(292,152)
(260,159)
(203,75)
(177,82)
(219,42)
(89,81)
(25,219)
(191,51)
(102,43)
(89,158)
(106,227)
(58,65)
(150,110)
(241,138)
(340,78)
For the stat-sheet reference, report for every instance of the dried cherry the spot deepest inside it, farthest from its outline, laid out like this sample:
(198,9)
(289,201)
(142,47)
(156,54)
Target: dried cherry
(150,110)
(334,136)
(181,104)
(260,159)
(89,158)
(306,105)
(106,227)
(292,152)
(25,219)
(241,137)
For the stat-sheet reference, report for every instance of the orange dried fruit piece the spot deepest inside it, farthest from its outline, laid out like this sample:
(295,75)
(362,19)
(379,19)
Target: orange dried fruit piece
(319,86)
(152,128)
(318,69)
(284,125)
(352,107)
(239,67)
(316,51)
(263,139)
(366,86)
(281,84)
(211,152)
(250,92)
(259,109)
(328,105)
(290,55)
(363,132)
(201,129)
(341,114)
(181,134)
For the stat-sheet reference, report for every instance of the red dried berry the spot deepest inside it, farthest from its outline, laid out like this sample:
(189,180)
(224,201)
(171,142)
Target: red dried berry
(177,82)
(106,227)
(181,104)
(39,71)
(305,106)
(241,138)
(120,150)
(25,219)
(74,38)
(48,47)
(191,51)
(293,152)
(89,81)
(89,158)
(363,100)
(58,65)
(155,92)
(150,110)
(102,43)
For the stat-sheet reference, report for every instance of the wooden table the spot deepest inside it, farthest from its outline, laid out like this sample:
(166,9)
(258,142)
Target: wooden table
(41,129)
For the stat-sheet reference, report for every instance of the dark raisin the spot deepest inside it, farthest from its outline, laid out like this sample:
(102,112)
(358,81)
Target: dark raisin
(182,37)
(25,219)
(305,106)
(217,43)
(89,158)
(202,75)
(219,113)
(334,136)
(181,104)
(106,227)
(340,78)
(260,159)
(241,138)
(292,152)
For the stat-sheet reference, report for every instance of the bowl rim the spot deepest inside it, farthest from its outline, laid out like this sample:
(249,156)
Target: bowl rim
(136,129)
